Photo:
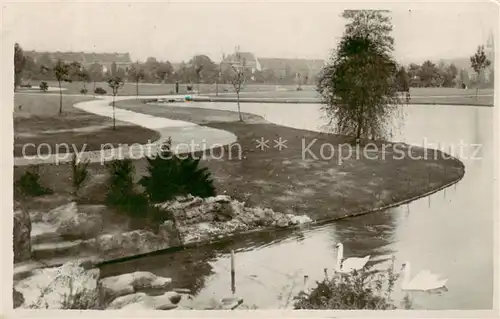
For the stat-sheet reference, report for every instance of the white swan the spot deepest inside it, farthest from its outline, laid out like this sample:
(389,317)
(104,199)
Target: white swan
(423,281)
(349,264)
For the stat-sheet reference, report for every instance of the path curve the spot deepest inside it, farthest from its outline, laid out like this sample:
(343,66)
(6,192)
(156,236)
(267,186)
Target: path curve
(186,137)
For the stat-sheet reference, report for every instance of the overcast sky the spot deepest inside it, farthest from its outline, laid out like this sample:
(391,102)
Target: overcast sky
(176,31)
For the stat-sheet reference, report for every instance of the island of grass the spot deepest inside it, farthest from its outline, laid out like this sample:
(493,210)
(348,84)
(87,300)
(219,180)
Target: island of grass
(39,128)
(290,181)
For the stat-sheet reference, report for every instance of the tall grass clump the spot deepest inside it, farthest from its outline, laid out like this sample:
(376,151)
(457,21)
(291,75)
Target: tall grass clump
(171,175)
(363,290)
(29,183)
(80,173)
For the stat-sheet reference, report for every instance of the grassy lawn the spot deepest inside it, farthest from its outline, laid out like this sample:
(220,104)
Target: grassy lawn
(287,182)
(418,95)
(37,120)
(158,89)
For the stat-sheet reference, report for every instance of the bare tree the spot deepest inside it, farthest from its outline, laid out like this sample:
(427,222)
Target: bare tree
(115,83)
(479,62)
(238,78)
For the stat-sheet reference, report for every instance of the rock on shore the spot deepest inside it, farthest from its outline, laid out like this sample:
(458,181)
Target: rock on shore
(67,287)
(199,219)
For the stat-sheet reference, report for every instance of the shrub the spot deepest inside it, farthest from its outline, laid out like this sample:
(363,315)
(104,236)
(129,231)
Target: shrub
(122,194)
(80,173)
(170,176)
(121,183)
(364,290)
(44,86)
(83,91)
(29,183)
(100,90)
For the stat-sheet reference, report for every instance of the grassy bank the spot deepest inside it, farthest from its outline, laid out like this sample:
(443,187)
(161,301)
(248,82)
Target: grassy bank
(37,121)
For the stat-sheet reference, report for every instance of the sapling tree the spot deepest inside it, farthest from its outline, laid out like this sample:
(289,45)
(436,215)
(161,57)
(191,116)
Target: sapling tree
(62,71)
(115,83)
(238,77)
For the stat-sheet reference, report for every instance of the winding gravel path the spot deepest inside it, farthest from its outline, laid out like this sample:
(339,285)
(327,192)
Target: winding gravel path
(186,136)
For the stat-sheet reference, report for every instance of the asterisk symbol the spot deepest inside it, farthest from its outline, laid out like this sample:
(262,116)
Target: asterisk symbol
(262,143)
(280,143)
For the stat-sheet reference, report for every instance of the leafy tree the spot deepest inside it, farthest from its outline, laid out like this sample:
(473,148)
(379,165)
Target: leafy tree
(238,78)
(164,71)
(428,73)
(479,62)
(358,87)
(204,68)
(115,83)
(136,73)
(19,63)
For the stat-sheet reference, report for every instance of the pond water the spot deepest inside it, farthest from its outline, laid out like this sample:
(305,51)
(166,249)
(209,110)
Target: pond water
(449,233)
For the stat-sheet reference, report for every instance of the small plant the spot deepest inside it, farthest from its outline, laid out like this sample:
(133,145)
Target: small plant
(170,176)
(100,90)
(83,91)
(29,183)
(364,290)
(44,87)
(80,173)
